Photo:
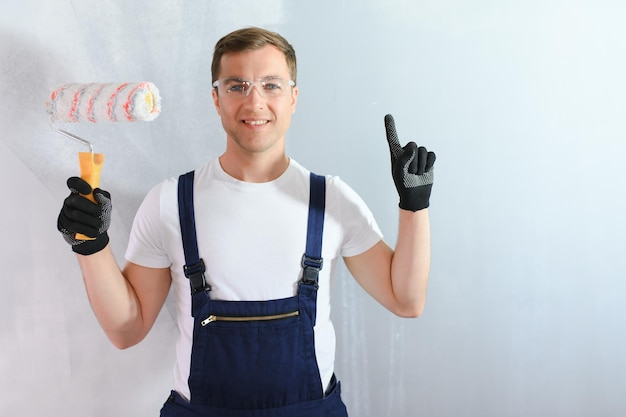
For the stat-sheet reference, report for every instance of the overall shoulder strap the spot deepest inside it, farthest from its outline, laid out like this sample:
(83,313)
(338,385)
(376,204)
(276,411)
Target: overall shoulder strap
(194,266)
(312,261)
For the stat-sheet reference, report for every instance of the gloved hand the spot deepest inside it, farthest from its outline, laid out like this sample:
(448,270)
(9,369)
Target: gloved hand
(411,168)
(80,215)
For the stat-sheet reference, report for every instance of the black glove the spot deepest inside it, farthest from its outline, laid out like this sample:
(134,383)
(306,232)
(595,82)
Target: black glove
(80,215)
(411,168)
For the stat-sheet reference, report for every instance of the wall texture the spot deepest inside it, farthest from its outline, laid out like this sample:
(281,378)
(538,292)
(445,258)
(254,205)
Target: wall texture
(523,103)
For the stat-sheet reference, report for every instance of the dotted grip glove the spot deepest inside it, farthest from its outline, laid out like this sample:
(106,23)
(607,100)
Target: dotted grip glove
(411,168)
(80,215)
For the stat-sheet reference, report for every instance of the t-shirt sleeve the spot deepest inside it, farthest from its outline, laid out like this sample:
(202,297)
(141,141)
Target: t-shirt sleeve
(360,230)
(145,244)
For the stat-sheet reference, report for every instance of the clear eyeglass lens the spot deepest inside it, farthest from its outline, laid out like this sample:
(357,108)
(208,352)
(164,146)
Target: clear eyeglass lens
(275,87)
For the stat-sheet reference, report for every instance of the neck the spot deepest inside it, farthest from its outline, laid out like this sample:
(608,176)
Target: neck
(254,168)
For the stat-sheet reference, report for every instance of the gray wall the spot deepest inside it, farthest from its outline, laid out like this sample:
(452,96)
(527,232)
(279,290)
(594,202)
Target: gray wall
(523,101)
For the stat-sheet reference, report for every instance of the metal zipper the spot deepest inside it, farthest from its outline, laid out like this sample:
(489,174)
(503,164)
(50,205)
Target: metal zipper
(213,318)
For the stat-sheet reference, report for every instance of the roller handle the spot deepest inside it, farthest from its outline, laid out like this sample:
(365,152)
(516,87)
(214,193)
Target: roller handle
(90,169)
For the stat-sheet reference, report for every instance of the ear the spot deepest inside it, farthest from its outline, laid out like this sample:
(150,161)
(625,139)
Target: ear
(216,101)
(294,99)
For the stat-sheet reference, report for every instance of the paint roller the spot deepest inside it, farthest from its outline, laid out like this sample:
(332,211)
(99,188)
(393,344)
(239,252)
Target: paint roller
(100,102)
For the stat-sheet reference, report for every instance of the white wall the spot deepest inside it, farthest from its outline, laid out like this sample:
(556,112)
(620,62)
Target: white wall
(522,101)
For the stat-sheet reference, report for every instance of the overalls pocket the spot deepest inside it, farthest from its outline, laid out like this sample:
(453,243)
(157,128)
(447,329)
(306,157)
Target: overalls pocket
(253,354)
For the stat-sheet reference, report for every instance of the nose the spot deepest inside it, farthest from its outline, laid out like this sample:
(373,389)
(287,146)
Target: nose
(254,85)
(255,97)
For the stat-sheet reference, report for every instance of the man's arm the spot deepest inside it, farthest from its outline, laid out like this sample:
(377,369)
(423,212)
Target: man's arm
(398,279)
(126,303)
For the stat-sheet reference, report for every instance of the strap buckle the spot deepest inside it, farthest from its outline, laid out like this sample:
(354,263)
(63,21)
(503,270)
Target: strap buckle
(197,279)
(312,267)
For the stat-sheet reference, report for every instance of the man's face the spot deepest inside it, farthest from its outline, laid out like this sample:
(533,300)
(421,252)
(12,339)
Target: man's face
(255,124)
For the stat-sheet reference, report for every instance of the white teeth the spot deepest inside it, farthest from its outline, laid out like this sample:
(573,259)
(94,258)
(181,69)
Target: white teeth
(255,122)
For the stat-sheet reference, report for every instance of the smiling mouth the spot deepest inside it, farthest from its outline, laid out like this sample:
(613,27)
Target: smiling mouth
(255,122)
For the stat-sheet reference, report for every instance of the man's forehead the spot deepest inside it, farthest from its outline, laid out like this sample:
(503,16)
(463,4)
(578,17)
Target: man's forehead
(268,60)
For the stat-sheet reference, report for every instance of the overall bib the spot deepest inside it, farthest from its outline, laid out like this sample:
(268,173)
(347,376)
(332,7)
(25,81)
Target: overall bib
(254,358)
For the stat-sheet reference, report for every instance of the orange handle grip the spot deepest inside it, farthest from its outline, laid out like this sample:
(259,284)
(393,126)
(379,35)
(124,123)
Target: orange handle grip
(90,169)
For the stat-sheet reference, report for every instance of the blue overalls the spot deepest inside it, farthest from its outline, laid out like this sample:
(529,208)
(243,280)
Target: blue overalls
(254,358)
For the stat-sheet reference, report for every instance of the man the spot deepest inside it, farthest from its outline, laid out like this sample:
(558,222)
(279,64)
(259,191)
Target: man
(253,312)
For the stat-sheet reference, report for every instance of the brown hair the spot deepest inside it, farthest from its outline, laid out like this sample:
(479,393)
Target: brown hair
(250,39)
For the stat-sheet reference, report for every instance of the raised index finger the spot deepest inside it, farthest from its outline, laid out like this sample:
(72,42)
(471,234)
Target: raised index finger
(392,136)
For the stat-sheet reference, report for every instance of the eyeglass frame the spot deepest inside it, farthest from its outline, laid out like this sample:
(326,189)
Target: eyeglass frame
(251,84)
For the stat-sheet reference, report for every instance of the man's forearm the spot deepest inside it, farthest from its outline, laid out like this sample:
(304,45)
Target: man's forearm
(112,298)
(410,265)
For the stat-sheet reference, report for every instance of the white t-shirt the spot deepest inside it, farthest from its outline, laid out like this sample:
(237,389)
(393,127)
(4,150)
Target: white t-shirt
(252,237)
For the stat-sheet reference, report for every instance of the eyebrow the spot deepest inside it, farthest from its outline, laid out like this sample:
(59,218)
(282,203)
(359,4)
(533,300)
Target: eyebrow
(266,78)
